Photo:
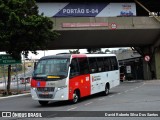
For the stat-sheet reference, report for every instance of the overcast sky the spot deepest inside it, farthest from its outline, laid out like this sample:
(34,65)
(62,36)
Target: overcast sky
(53,52)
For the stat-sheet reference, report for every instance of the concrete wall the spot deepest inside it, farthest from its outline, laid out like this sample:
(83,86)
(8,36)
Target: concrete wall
(122,22)
(127,54)
(146,71)
(157,61)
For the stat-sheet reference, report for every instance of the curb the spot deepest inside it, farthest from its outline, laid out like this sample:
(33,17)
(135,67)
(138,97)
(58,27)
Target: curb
(15,96)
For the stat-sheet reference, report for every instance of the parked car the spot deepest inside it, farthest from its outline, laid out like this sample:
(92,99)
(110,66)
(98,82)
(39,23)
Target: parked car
(122,73)
(122,77)
(25,80)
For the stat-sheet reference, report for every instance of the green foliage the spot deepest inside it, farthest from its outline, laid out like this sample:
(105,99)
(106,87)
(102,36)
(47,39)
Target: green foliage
(107,50)
(74,51)
(22,29)
(94,50)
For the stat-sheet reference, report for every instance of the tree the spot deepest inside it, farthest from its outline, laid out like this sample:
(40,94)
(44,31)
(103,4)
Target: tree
(107,50)
(94,50)
(22,29)
(74,51)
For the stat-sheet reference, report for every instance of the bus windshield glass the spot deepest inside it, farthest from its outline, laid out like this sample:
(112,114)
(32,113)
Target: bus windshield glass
(53,67)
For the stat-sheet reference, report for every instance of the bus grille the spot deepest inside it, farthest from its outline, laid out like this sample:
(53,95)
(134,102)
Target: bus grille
(45,96)
(45,89)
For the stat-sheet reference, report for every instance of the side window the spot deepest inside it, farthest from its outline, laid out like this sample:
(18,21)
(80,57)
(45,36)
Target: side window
(40,68)
(100,64)
(74,68)
(114,63)
(93,65)
(83,65)
(107,64)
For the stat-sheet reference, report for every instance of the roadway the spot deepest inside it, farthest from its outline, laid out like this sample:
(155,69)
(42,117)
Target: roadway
(129,96)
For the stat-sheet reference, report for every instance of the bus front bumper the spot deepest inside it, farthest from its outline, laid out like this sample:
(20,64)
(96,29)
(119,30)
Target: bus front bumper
(57,95)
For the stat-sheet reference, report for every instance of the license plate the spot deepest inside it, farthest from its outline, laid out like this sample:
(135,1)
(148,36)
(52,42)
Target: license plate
(50,84)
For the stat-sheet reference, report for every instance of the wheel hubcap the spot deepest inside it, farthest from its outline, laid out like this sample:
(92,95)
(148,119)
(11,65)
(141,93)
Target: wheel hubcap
(106,90)
(75,97)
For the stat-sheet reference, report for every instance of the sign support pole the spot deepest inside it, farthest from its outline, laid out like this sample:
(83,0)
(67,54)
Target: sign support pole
(147,71)
(4,78)
(17,80)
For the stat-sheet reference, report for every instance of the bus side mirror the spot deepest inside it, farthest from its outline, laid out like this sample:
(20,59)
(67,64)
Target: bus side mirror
(71,65)
(35,65)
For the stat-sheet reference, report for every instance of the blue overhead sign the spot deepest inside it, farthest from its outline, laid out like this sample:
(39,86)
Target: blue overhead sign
(80,9)
(87,9)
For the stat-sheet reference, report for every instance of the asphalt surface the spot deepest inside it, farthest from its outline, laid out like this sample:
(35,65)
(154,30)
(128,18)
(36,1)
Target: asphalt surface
(129,96)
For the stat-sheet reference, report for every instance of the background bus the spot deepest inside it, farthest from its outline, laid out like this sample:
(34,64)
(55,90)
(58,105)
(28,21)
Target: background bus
(70,77)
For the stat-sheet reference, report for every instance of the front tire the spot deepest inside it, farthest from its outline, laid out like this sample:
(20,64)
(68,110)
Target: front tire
(43,103)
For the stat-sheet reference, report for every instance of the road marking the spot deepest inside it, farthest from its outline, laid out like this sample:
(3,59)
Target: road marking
(71,108)
(101,99)
(119,93)
(137,87)
(15,96)
(111,95)
(126,91)
(142,85)
(88,103)
(132,89)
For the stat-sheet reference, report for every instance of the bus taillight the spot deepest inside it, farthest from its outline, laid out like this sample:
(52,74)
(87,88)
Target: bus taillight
(33,82)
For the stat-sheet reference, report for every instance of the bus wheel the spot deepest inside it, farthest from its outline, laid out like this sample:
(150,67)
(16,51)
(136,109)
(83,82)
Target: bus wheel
(75,97)
(106,92)
(43,103)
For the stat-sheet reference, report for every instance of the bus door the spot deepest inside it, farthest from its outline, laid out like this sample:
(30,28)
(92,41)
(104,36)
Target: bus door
(79,76)
(102,74)
(108,71)
(95,76)
(115,71)
(85,76)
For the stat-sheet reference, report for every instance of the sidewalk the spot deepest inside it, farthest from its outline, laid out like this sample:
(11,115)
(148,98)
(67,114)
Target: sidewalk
(14,93)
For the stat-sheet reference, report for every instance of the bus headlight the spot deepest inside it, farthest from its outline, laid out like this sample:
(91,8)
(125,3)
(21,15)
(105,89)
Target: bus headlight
(58,89)
(62,96)
(34,88)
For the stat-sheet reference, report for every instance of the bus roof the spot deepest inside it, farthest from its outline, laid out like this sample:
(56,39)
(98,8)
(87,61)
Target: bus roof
(57,56)
(76,55)
(99,55)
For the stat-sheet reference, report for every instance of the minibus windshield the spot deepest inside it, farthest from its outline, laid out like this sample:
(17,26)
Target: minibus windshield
(52,67)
